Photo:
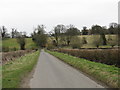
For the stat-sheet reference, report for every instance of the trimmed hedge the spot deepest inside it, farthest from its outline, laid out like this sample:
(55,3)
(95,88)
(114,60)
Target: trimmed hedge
(107,56)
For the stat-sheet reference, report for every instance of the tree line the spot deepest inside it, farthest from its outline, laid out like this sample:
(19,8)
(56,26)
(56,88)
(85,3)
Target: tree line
(61,33)
(94,30)
(69,35)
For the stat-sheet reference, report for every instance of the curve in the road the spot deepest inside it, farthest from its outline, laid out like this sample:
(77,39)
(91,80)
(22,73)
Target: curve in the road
(53,73)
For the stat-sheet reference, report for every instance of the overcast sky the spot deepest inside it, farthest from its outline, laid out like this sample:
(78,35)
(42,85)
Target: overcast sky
(27,14)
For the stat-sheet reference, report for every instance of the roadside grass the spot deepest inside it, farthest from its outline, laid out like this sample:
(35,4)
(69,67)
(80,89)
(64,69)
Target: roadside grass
(0,76)
(102,72)
(14,71)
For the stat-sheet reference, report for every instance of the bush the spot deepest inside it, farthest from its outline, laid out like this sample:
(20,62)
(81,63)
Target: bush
(13,49)
(84,40)
(109,57)
(33,48)
(5,49)
(50,46)
(22,42)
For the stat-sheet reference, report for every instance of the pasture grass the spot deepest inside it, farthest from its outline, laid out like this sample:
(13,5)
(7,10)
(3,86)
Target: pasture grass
(12,43)
(13,71)
(90,40)
(102,72)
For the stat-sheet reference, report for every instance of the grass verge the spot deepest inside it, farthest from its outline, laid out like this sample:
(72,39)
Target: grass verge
(102,72)
(13,71)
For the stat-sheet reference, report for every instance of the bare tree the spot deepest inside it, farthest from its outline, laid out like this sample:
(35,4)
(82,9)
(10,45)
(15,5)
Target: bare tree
(59,31)
(13,32)
(3,31)
(71,31)
(39,36)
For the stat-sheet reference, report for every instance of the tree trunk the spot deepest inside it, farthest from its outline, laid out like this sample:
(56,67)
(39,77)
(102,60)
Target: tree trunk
(22,47)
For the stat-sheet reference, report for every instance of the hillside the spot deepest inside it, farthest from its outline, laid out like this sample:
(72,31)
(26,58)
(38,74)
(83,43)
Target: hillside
(90,39)
(11,43)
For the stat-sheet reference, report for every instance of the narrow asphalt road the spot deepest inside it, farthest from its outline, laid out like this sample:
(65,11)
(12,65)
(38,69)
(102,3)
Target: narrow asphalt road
(53,73)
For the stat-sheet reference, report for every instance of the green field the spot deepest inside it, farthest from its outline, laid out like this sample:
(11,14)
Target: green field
(102,72)
(12,43)
(90,39)
(13,71)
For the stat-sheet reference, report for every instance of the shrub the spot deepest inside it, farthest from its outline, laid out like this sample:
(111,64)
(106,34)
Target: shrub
(22,42)
(50,46)
(103,39)
(84,40)
(5,49)
(13,49)
(33,48)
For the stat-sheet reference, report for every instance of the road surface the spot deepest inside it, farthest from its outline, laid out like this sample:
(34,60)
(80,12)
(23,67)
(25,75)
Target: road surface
(53,73)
